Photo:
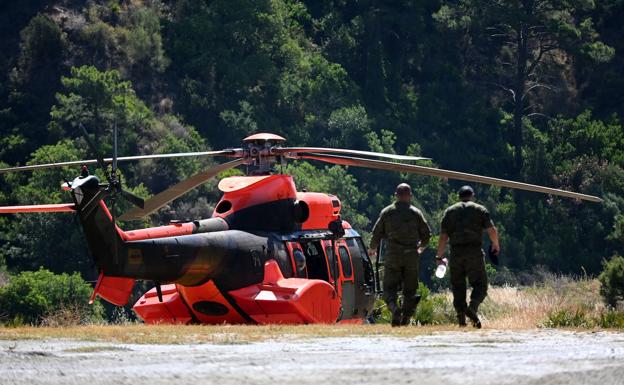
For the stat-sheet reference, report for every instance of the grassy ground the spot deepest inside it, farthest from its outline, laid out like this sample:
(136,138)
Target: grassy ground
(555,302)
(214,334)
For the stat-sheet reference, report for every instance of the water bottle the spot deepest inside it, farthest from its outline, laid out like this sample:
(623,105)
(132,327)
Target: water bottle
(441,270)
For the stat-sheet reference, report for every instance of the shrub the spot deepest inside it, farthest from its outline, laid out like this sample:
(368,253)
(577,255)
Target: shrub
(612,281)
(433,309)
(425,309)
(566,318)
(31,297)
(502,276)
(611,319)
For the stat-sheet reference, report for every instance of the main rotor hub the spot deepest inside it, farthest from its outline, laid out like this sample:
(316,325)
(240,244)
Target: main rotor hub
(259,148)
(264,137)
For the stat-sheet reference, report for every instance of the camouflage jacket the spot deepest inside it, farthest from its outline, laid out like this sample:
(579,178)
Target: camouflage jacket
(464,223)
(403,226)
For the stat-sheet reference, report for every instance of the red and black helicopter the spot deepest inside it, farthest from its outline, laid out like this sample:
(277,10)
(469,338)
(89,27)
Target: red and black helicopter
(268,254)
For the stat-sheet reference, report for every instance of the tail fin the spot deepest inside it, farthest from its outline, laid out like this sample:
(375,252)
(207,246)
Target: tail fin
(107,243)
(106,240)
(115,290)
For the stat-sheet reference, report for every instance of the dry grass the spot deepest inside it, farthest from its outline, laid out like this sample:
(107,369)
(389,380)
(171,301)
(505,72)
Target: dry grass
(71,315)
(530,307)
(212,334)
(505,308)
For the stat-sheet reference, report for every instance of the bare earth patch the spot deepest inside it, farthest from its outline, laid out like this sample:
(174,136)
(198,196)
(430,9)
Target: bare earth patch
(308,355)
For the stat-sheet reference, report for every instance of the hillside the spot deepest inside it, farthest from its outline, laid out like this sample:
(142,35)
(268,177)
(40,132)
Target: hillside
(529,91)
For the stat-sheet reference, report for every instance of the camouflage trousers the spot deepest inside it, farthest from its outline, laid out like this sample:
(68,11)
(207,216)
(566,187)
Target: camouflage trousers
(399,274)
(467,262)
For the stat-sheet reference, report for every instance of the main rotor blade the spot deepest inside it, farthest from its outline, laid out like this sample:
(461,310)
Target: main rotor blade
(230,152)
(132,198)
(159,200)
(49,208)
(293,151)
(383,165)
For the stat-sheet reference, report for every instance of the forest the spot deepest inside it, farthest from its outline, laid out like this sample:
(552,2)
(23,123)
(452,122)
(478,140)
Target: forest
(528,90)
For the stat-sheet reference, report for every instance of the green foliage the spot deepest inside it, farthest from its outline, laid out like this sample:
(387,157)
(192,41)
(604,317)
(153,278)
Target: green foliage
(348,128)
(249,63)
(566,318)
(612,281)
(433,309)
(141,40)
(33,295)
(579,318)
(423,78)
(102,99)
(42,45)
(611,319)
(98,100)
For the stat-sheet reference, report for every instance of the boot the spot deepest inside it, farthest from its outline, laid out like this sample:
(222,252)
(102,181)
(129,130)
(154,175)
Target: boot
(395,311)
(405,319)
(472,314)
(461,320)
(409,310)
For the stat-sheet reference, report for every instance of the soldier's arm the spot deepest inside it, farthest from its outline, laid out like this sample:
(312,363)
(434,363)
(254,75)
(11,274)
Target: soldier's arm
(442,246)
(424,232)
(486,221)
(444,237)
(493,234)
(379,232)
(492,231)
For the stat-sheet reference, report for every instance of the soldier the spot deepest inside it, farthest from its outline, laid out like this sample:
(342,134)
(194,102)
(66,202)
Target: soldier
(407,234)
(462,225)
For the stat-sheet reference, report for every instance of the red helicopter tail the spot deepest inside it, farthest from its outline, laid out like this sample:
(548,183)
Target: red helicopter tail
(103,240)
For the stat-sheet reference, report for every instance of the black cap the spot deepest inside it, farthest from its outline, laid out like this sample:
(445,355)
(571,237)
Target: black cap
(403,189)
(465,192)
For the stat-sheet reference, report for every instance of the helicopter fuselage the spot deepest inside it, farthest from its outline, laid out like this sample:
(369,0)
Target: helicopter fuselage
(266,256)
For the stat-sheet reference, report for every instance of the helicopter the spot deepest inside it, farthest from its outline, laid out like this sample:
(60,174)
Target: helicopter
(269,253)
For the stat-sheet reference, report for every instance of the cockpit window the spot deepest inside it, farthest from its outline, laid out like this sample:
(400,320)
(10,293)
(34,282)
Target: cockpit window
(345,261)
(300,263)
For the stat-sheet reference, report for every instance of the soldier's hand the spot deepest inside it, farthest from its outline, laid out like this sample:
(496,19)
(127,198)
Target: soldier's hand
(372,252)
(495,248)
(422,249)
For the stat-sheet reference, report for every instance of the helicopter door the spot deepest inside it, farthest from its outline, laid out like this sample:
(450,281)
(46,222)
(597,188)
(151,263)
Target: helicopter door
(364,277)
(315,260)
(298,260)
(331,261)
(346,277)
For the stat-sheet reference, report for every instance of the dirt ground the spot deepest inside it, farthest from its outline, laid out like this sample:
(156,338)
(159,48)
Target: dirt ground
(448,357)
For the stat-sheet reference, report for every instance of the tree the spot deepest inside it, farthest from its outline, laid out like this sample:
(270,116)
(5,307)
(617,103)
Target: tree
(612,281)
(31,86)
(249,63)
(533,39)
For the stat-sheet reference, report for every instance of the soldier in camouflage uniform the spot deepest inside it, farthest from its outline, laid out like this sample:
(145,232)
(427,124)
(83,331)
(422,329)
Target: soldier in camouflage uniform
(462,226)
(407,234)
